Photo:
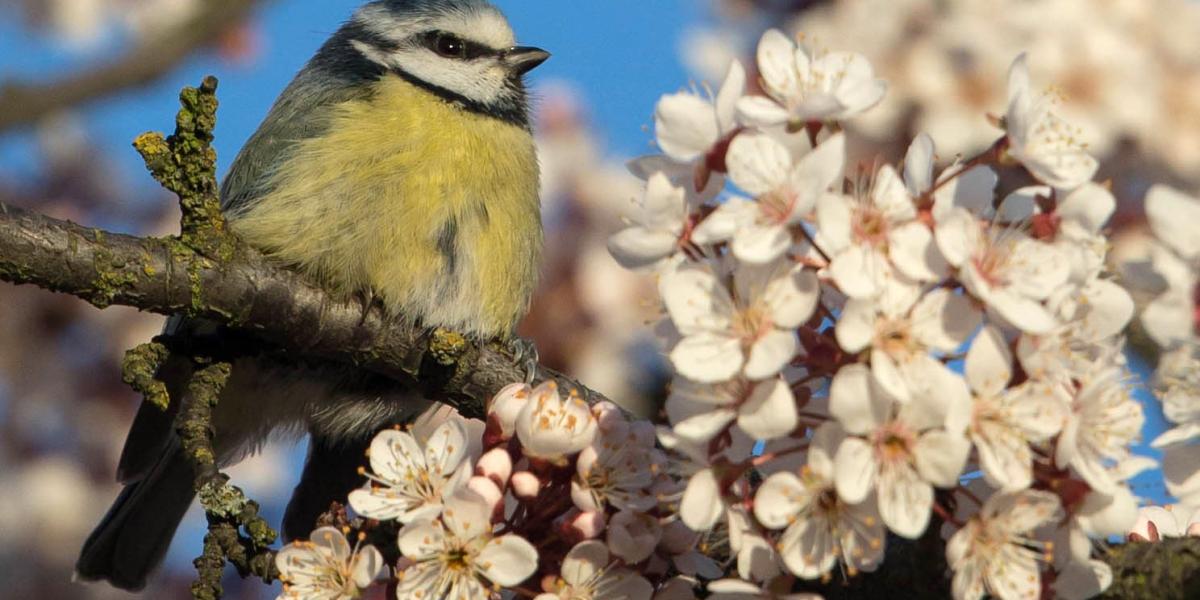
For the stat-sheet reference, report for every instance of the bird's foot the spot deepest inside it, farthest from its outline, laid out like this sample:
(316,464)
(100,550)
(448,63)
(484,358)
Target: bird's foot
(368,300)
(525,354)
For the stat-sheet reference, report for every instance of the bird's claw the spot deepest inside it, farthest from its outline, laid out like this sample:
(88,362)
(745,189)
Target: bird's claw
(525,354)
(368,300)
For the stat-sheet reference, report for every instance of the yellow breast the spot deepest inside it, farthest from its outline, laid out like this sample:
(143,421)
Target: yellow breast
(433,207)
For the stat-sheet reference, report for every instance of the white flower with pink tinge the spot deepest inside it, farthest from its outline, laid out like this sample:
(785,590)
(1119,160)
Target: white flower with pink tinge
(874,232)
(764,410)
(991,554)
(617,469)
(693,131)
(784,193)
(1002,266)
(655,234)
(326,567)
(1005,421)
(903,330)
(588,573)
(552,428)
(1172,316)
(750,332)
(1103,421)
(1049,147)
(899,450)
(407,481)
(803,85)
(455,556)
(822,529)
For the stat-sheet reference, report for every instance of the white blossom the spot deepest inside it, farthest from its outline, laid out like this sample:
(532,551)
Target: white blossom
(784,193)
(763,409)
(408,481)
(900,450)
(454,556)
(1005,268)
(688,126)
(589,574)
(326,567)
(551,428)
(1006,421)
(656,233)
(617,469)
(822,528)
(875,231)
(750,332)
(991,554)
(1102,423)
(804,85)
(1049,147)
(903,331)
(1171,317)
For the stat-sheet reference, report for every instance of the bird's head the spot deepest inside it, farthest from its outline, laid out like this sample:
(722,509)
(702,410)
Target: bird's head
(462,49)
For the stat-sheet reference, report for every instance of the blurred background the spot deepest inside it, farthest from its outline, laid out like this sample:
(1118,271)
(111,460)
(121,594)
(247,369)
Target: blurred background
(79,79)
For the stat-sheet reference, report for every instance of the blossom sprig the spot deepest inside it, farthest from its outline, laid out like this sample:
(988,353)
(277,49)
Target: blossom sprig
(888,330)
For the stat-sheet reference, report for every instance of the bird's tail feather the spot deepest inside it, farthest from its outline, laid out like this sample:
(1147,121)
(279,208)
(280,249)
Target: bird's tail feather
(133,537)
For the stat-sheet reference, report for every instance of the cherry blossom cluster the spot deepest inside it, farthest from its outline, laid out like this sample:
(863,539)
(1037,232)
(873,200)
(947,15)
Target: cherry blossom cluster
(1130,67)
(552,498)
(1172,321)
(887,333)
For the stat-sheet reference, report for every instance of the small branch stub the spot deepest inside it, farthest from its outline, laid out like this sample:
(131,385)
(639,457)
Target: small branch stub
(186,164)
(138,371)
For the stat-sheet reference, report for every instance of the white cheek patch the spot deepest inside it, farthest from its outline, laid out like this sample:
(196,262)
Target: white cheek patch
(481,80)
(372,53)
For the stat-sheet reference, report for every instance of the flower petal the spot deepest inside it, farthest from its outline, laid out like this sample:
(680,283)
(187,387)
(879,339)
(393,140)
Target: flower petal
(685,125)
(701,504)
(854,402)
(769,412)
(507,560)
(854,470)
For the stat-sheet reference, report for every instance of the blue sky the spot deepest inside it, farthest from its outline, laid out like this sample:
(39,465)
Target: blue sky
(620,54)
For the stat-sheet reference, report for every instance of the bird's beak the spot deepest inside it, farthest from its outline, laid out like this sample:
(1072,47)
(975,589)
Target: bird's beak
(522,59)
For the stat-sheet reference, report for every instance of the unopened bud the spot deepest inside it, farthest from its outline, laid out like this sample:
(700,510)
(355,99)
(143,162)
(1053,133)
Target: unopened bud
(496,465)
(525,485)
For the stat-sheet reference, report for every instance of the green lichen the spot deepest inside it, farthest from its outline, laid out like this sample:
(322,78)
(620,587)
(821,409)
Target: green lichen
(447,347)
(111,278)
(185,163)
(139,368)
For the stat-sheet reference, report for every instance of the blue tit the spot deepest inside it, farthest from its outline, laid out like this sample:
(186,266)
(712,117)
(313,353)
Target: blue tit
(399,163)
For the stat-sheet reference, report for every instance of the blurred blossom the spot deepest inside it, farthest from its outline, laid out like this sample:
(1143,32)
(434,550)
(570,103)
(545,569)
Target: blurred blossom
(1126,70)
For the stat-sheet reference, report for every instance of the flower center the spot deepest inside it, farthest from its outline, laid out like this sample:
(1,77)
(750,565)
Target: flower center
(894,442)
(870,226)
(775,207)
(894,336)
(752,323)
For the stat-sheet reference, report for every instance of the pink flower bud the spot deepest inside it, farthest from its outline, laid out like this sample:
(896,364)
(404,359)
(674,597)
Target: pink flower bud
(487,490)
(608,416)
(525,485)
(506,405)
(578,526)
(496,465)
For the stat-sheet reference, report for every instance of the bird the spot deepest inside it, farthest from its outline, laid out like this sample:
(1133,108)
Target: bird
(398,165)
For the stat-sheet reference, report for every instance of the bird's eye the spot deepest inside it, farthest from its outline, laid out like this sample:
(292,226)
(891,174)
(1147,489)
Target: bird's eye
(450,46)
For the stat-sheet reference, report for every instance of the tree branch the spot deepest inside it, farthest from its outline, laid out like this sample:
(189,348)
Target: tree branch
(24,103)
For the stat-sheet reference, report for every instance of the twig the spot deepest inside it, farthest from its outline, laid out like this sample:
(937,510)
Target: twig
(25,103)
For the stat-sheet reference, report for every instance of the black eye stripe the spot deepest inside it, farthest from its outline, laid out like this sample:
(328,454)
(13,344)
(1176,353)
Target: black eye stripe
(440,42)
